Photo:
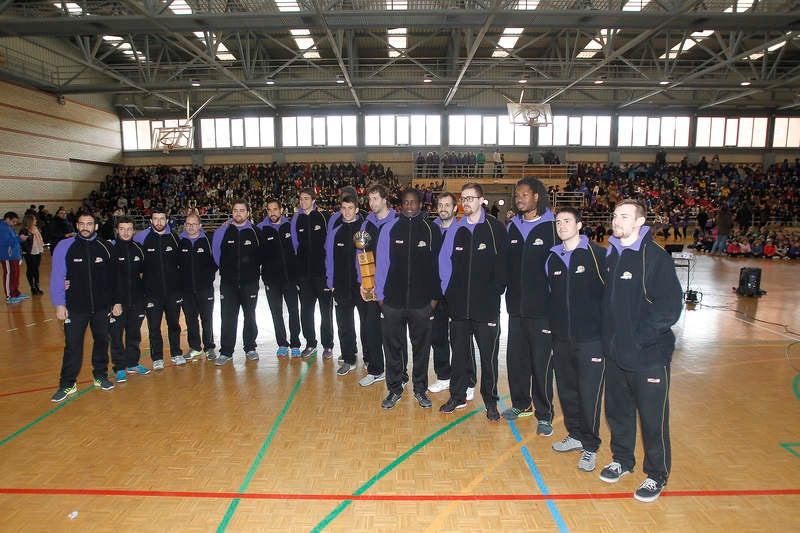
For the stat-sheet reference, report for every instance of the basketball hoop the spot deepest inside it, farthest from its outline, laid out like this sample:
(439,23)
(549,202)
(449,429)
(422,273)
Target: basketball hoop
(172,138)
(536,115)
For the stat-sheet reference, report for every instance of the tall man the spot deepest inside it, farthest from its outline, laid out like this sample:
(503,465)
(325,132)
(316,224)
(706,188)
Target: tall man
(236,248)
(278,266)
(10,257)
(162,287)
(371,333)
(125,324)
(575,270)
(472,267)
(309,231)
(342,280)
(529,359)
(406,275)
(447,207)
(641,303)
(85,262)
(197,275)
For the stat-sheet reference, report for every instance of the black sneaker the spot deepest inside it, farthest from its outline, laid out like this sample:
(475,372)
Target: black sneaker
(492,413)
(649,490)
(612,472)
(451,405)
(423,400)
(103,383)
(391,400)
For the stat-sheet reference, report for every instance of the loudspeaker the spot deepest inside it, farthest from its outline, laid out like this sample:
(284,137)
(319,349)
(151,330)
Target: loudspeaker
(749,282)
(673,248)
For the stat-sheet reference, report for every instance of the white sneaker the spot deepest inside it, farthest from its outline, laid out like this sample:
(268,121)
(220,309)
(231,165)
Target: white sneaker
(439,385)
(369,379)
(470,393)
(178,360)
(158,364)
(587,461)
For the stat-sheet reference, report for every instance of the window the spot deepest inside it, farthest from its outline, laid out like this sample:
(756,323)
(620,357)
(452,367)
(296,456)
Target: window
(787,132)
(477,130)
(585,130)
(248,132)
(742,132)
(653,131)
(402,130)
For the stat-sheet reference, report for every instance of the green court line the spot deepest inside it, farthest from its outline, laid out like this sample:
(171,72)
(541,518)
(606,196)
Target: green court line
(46,415)
(391,466)
(260,456)
(796,386)
(790,447)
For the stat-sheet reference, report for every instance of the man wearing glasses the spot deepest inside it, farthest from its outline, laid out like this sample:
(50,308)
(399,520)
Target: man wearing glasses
(237,251)
(162,282)
(197,272)
(472,267)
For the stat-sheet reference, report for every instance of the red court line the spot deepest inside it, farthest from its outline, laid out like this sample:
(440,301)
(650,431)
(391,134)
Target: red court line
(51,387)
(391,497)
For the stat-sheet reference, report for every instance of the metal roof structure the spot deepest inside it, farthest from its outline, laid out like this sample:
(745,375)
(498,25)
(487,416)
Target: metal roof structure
(291,55)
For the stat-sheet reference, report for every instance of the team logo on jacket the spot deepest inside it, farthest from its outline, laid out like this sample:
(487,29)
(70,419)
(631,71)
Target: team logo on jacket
(597,359)
(317,227)
(557,273)
(301,230)
(580,270)
(151,249)
(422,244)
(398,242)
(248,242)
(120,259)
(654,380)
(270,238)
(231,242)
(626,275)
(150,305)
(98,259)
(538,242)
(200,250)
(514,241)
(77,260)
(184,249)
(288,235)
(482,246)
(459,249)
(340,244)
(168,249)
(136,258)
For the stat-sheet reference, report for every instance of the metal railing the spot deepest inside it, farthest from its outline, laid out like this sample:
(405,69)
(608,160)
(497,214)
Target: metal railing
(489,171)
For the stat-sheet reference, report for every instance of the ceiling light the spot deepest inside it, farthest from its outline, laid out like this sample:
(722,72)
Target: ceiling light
(194,82)
(426,79)
(599,82)
(269,81)
(745,83)
(665,81)
(522,80)
(339,79)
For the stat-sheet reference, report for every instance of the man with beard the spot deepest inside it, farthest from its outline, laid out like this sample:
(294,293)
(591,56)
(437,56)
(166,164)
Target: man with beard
(237,251)
(342,280)
(127,257)
(309,231)
(472,266)
(197,273)
(162,282)
(371,334)
(575,270)
(642,301)
(278,273)
(406,275)
(84,261)
(531,235)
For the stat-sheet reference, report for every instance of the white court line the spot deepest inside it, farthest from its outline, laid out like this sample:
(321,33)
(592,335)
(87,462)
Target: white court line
(767,329)
(12,329)
(29,325)
(47,320)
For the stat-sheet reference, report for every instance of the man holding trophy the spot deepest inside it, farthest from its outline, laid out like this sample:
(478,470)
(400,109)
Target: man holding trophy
(367,239)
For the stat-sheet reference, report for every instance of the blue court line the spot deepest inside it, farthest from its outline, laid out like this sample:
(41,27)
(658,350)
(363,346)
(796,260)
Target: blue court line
(46,415)
(551,505)
(263,450)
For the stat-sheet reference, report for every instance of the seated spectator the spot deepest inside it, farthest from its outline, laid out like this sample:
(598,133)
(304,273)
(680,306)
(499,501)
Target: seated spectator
(770,250)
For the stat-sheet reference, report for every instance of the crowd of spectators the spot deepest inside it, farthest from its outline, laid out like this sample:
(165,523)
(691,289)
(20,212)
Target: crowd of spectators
(209,190)
(720,203)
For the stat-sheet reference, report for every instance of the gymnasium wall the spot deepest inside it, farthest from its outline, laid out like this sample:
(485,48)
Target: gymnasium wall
(50,153)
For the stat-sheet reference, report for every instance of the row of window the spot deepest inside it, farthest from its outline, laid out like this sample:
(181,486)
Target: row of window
(472,130)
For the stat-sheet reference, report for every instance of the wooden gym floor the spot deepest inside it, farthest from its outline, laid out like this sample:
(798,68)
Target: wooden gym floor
(290,446)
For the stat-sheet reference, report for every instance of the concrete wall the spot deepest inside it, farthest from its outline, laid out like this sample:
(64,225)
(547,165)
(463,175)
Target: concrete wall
(50,153)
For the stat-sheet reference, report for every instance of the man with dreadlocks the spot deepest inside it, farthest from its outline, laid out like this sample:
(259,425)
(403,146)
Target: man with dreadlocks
(529,358)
